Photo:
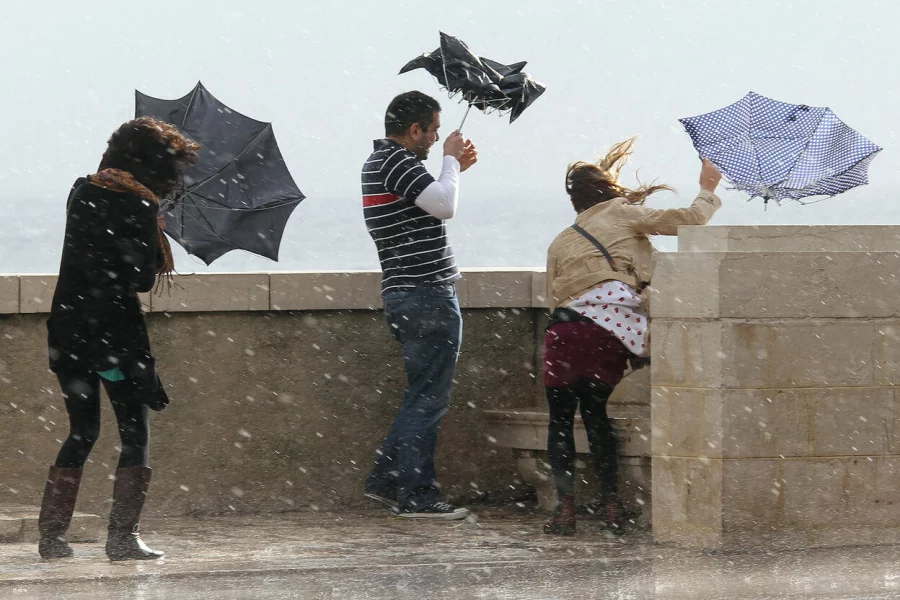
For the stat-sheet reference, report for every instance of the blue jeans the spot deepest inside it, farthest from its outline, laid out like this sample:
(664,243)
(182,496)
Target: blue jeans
(428,324)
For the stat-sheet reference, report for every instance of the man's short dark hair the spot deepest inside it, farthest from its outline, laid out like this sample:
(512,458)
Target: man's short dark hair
(408,108)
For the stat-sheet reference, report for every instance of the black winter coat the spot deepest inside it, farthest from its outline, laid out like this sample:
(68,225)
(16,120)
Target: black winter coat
(109,255)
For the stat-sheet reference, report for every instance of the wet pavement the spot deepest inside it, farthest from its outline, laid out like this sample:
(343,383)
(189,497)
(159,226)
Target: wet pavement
(502,554)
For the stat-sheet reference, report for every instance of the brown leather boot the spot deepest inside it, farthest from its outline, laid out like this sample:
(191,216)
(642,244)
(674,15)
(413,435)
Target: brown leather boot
(57,508)
(564,522)
(613,515)
(123,541)
(610,507)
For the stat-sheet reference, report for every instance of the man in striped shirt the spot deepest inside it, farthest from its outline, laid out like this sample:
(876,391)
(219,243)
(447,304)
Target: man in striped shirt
(405,209)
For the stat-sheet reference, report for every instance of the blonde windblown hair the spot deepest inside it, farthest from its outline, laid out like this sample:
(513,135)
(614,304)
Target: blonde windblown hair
(588,184)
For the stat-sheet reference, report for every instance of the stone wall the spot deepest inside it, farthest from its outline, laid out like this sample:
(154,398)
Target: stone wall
(774,417)
(774,412)
(282,387)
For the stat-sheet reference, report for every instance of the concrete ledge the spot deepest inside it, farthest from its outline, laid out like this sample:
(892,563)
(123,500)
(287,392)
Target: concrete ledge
(539,289)
(689,285)
(9,294)
(491,288)
(36,293)
(327,290)
(215,292)
(285,290)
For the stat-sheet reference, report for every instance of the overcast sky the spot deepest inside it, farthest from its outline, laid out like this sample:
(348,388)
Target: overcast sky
(323,73)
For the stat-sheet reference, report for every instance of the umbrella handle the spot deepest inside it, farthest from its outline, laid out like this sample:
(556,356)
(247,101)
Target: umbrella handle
(464,118)
(170,202)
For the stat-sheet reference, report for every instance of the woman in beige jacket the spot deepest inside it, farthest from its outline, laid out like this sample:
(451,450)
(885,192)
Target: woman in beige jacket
(598,272)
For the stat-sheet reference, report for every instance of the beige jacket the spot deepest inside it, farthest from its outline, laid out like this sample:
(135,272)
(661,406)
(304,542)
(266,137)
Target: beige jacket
(575,266)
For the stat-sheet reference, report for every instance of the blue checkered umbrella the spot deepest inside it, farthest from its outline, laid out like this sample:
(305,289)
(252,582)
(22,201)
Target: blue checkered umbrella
(777,151)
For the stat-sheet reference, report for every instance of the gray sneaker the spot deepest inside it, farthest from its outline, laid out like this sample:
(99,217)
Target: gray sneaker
(443,511)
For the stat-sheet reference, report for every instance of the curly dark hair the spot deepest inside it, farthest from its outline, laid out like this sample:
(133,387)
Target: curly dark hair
(154,151)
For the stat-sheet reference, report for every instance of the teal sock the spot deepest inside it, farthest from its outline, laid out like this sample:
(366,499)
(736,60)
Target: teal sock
(112,375)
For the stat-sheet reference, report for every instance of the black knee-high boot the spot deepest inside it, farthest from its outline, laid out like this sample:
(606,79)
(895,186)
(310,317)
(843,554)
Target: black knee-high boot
(123,541)
(57,509)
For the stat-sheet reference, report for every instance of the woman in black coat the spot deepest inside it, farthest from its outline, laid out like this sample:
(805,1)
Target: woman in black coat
(114,248)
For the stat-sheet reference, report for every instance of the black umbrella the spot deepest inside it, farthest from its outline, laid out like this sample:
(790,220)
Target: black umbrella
(240,193)
(485,84)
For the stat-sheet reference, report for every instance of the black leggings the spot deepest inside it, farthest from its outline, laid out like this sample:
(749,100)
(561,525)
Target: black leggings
(564,400)
(82,396)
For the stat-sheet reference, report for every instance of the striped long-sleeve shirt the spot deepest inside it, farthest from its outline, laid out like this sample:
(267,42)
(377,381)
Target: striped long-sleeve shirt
(412,244)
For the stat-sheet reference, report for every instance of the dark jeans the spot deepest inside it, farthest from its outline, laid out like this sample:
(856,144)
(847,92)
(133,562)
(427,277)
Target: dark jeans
(428,324)
(82,397)
(564,401)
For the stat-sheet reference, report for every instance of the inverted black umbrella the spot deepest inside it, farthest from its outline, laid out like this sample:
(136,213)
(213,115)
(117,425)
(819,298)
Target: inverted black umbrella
(780,151)
(240,194)
(485,84)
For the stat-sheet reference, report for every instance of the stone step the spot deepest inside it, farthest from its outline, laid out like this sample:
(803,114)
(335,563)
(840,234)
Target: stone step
(19,525)
(527,429)
(525,432)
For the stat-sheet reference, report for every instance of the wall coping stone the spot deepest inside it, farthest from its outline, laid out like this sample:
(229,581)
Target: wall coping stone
(789,238)
(507,287)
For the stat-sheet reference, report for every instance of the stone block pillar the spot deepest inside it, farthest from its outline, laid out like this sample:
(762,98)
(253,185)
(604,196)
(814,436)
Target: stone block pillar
(774,414)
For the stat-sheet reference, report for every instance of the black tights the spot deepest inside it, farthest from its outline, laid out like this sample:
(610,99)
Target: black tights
(592,396)
(82,396)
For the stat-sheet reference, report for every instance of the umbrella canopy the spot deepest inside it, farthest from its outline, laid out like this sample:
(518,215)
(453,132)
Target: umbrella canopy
(779,151)
(485,84)
(239,194)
